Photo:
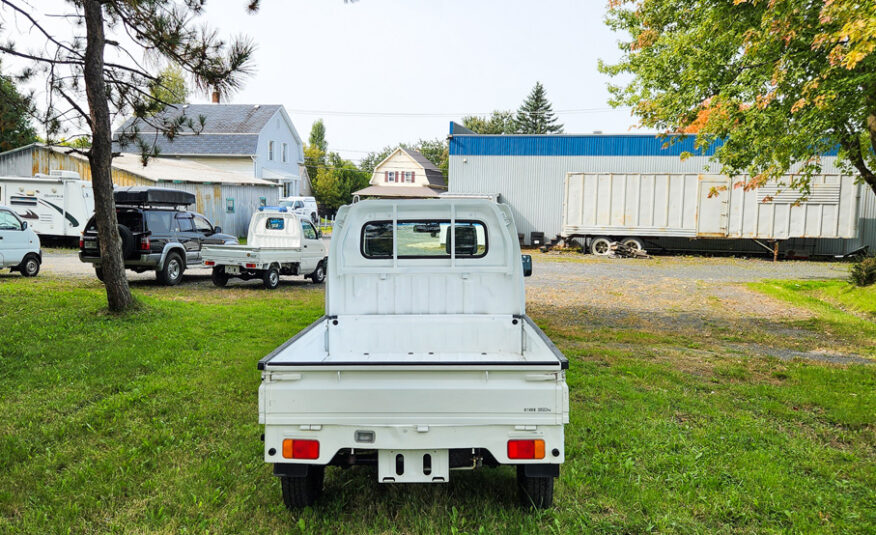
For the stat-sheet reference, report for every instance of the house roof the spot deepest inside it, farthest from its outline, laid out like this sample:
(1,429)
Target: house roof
(410,192)
(433,174)
(229,129)
(181,170)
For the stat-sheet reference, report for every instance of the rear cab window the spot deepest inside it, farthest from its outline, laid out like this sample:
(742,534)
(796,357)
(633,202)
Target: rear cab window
(275,223)
(424,239)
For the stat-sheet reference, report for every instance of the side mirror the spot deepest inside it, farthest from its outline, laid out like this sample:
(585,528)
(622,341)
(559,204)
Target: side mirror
(217,230)
(24,225)
(527,265)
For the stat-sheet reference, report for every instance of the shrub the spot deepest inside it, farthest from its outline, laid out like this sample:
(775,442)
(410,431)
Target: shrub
(863,273)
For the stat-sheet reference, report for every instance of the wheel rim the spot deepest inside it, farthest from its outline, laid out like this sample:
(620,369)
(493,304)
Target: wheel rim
(31,266)
(632,244)
(320,273)
(274,277)
(173,270)
(601,247)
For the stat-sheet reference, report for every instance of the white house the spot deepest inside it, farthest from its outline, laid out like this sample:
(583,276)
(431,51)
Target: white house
(258,140)
(405,173)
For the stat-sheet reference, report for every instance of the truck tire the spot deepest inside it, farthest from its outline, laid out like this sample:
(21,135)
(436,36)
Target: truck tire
(30,266)
(535,492)
(98,272)
(303,491)
(172,271)
(600,246)
(318,276)
(219,277)
(634,243)
(271,278)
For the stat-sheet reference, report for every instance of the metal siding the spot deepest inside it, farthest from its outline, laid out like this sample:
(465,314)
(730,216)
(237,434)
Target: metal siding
(533,187)
(577,145)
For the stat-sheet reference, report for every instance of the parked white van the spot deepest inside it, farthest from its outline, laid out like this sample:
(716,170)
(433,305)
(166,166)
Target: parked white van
(19,244)
(303,206)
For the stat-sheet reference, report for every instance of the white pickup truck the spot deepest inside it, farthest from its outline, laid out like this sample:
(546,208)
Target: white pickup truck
(425,361)
(279,242)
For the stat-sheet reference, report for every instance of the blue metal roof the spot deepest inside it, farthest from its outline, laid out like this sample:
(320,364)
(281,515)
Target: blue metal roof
(466,144)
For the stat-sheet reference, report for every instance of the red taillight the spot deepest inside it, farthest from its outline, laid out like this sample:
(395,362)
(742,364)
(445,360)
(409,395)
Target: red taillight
(209,263)
(82,241)
(526,449)
(251,266)
(144,243)
(300,449)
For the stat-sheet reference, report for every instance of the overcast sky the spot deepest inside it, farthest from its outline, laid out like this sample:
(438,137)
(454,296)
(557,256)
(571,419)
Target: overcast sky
(426,62)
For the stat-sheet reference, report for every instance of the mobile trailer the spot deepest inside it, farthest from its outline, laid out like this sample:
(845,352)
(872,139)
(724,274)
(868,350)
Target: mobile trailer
(58,204)
(603,207)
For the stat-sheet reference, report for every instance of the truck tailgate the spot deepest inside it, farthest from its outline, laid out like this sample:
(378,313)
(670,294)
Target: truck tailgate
(241,254)
(303,384)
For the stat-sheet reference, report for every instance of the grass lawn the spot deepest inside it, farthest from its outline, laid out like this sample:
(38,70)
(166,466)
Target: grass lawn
(148,423)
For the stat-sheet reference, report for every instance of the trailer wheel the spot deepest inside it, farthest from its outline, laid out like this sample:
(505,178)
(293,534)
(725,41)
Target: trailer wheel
(219,277)
(600,246)
(535,492)
(303,491)
(634,243)
(271,278)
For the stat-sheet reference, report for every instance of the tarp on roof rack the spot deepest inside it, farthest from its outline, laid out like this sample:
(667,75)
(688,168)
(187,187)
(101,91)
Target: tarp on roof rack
(154,196)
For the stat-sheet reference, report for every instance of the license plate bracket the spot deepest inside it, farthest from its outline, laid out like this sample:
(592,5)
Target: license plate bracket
(413,466)
(232,270)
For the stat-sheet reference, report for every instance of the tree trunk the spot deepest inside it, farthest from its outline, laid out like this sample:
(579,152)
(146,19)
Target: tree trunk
(118,294)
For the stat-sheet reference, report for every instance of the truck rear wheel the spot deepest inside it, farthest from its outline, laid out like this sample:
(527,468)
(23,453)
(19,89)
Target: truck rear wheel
(535,492)
(171,273)
(303,491)
(219,277)
(271,278)
(30,266)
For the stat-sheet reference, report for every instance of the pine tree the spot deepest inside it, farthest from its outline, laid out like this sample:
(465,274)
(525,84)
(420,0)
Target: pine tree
(15,111)
(535,115)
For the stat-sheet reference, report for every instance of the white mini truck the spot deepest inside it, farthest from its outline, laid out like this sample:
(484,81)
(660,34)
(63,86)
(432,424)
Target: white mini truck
(279,242)
(425,361)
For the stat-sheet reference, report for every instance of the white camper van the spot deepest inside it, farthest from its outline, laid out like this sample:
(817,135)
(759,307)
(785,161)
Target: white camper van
(57,204)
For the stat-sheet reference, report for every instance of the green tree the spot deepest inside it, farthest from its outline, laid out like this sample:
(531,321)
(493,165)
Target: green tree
(536,115)
(170,86)
(773,84)
(89,87)
(499,122)
(336,182)
(317,135)
(15,112)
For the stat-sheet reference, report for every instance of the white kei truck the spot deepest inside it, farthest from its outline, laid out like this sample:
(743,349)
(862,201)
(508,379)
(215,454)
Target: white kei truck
(279,242)
(425,361)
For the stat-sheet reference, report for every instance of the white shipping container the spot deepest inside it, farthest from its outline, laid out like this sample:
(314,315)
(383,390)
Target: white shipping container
(706,206)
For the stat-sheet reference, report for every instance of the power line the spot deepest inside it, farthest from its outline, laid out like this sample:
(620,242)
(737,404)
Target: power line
(439,114)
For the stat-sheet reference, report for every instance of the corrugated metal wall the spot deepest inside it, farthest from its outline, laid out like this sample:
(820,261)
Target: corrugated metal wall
(211,199)
(533,187)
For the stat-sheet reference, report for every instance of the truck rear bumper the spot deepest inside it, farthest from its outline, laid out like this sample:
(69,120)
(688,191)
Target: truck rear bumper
(493,438)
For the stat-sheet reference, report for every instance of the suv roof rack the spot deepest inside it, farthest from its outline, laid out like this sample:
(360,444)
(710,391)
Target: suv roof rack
(140,196)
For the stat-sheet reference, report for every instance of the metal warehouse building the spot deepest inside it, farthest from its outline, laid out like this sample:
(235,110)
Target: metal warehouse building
(227,198)
(529,173)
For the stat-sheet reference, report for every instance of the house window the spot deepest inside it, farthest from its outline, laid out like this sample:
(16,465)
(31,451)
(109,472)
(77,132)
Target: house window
(285,150)
(409,177)
(229,205)
(270,150)
(390,176)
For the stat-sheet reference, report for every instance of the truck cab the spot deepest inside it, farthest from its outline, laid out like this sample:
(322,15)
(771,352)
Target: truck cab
(425,361)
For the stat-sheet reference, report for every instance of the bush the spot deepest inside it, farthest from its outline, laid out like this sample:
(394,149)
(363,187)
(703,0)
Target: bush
(863,273)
